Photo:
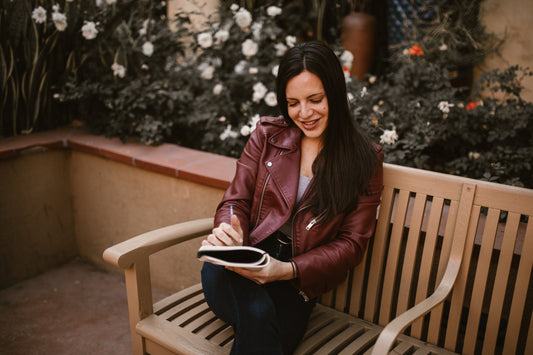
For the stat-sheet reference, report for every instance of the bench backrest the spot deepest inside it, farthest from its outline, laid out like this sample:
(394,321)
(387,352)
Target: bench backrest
(424,219)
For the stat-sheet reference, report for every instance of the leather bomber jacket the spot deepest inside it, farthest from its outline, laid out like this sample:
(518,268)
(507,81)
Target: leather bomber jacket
(263,195)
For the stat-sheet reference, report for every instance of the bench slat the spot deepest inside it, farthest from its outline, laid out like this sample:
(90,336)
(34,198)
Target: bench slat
(502,278)
(480,283)
(520,293)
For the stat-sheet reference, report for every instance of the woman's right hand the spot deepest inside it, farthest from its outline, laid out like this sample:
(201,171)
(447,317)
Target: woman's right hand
(226,234)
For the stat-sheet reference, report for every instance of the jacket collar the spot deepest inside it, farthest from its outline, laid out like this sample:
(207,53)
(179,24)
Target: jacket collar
(288,137)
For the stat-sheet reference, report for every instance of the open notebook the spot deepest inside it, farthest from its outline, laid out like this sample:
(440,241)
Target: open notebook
(236,256)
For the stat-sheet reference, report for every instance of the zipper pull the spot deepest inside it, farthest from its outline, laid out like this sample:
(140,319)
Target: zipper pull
(311,224)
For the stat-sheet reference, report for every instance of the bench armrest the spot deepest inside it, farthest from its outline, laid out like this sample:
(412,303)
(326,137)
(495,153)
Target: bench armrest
(125,254)
(391,331)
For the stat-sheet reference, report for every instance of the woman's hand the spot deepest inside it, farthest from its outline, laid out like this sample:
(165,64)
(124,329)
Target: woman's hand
(225,234)
(275,271)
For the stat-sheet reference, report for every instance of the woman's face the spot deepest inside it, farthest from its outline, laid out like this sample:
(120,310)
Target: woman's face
(307,104)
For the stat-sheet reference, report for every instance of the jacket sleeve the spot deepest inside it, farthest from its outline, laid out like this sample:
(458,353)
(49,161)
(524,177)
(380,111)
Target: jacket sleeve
(241,190)
(325,267)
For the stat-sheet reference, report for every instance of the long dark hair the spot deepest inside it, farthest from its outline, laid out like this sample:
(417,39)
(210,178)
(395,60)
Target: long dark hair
(348,158)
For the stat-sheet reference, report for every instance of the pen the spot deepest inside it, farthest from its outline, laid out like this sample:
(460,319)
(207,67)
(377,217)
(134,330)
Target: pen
(231,211)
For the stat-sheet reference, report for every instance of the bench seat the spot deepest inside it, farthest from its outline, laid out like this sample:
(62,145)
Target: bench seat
(185,316)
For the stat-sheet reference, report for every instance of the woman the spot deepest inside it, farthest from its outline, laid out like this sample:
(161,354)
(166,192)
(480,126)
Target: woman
(306,190)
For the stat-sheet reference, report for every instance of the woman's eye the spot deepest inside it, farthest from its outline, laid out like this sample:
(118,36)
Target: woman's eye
(317,101)
(292,104)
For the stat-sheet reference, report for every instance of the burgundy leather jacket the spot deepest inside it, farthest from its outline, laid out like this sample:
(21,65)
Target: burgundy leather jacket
(263,195)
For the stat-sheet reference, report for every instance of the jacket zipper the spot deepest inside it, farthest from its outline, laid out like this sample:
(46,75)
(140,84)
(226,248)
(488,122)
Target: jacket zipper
(263,196)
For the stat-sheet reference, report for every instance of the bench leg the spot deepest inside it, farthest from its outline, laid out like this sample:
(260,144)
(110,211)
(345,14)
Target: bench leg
(139,292)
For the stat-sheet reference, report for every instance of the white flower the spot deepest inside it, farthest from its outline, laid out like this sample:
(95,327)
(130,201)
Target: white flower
(444,106)
(473,155)
(234,7)
(280,49)
(290,40)
(271,99)
(256,30)
(273,11)
(275,70)
(39,14)
(443,47)
(388,136)
(222,36)
(222,119)
(375,108)
(364,90)
(208,72)
(243,18)
(372,79)
(55,8)
(245,131)
(350,97)
(217,89)
(118,70)
(253,121)
(70,0)
(60,21)
(110,2)
(148,49)
(249,48)
(253,70)
(205,40)
(228,133)
(260,91)
(89,31)
(240,67)
(347,59)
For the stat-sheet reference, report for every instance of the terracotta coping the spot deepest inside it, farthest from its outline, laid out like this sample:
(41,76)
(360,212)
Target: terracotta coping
(170,159)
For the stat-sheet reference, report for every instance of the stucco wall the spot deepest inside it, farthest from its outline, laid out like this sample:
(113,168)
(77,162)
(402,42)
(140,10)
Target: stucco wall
(59,204)
(512,18)
(36,219)
(114,202)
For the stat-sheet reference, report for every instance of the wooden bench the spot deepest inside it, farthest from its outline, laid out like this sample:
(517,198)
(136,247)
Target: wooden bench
(448,270)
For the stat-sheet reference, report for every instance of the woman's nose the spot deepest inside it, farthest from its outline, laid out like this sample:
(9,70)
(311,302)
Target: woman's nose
(305,111)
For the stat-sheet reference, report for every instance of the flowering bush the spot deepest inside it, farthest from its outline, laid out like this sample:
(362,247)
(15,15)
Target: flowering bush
(423,121)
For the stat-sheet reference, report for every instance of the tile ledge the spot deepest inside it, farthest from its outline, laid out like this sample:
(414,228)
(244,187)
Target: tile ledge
(78,139)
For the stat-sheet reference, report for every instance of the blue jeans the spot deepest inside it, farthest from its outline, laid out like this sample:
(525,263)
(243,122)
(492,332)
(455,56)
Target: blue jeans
(267,319)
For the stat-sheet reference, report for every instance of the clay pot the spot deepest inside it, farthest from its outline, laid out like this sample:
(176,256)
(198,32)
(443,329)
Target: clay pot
(358,36)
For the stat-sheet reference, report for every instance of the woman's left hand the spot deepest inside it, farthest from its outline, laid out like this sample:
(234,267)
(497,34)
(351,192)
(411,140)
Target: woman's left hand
(275,271)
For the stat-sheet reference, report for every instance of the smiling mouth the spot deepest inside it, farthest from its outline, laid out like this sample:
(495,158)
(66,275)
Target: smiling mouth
(310,124)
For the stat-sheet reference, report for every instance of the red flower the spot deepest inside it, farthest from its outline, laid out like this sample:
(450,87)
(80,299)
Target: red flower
(471,105)
(416,50)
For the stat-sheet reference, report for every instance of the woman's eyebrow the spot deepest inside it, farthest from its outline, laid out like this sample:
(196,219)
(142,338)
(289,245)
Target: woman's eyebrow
(308,97)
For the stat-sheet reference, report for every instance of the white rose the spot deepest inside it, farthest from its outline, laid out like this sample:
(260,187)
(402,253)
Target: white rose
(243,18)
(208,72)
(222,36)
(280,49)
(260,91)
(39,14)
(249,48)
(60,21)
(443,47)
(444,106)
(118,70)
(148,49)
(253,121)
(290,40)
(372,79)
(256,30)
(273,11)
(275,70)
(240,67)
(253,70)
(347,59)
(217,89)
(234,7)
(245,131)
(89,31)
(388,136)
(205,40)
(228,133)
(271,99)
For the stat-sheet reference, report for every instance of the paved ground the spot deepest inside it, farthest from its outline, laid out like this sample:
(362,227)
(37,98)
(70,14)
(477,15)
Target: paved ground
(74,309)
